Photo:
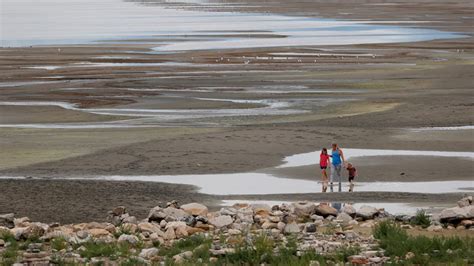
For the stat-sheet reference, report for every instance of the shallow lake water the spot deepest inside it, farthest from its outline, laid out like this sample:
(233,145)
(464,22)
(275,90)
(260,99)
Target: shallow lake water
(85,21)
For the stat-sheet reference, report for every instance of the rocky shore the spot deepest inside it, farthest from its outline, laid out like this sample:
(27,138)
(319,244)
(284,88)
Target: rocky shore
(300,233)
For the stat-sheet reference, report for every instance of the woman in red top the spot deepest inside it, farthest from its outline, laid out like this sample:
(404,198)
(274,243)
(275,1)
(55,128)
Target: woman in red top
(323,163)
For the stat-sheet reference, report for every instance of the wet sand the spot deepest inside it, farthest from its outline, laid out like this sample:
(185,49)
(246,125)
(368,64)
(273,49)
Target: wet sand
(366,102)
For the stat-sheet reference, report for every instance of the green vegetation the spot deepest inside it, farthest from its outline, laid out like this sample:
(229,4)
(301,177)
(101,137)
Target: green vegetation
(421,219)
(59,243)
(427,250)
(111,250)
(187,244)
(10,254)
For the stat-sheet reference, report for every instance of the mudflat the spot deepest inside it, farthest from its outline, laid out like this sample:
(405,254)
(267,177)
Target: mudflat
(239,110)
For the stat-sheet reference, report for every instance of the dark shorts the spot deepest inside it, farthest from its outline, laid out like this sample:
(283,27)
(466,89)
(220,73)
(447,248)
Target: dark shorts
(324,167)
(351,178)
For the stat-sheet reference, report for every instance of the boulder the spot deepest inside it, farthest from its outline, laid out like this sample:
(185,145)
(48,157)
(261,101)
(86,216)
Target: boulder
(175,214)
(118,211)
(130,239)
(148,253)
(303,208)
(150,228)
(291,228)
(98,232)
(261,209)
(7,220)
(156,214)
(344,217)
(181,232)
(169,234)
(175,225)
(349,209)
(195,209)
(367,212)
(310,228)
(466,201)
(456,214)
(269,225)
(325,210)
(221,221)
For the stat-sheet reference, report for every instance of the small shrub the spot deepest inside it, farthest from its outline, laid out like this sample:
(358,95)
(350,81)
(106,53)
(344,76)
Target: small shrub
(93,249)
(59,243)
(421,219)
(7,236)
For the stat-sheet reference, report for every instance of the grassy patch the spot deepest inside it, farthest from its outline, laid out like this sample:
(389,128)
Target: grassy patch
(111,250)
(187,244)
(421,219)
(428,250)
(59,243)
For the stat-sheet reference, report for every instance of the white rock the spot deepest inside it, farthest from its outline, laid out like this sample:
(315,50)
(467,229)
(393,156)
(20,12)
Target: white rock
(367,212)
(148,253)
(344,217)
(291,228)
(303,208)
(221,221)
(131,239)
(195,209)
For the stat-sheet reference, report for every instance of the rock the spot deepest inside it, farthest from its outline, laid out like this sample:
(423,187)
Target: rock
(310,228)
(194,230)
(434,228)
(464,202)
(353,222)
(234,232)
(303,208)
(156,238)
(181,232)
(314,263)
(367,212)
(406,226)
(98,232)
(21,222)
(368,224)
(150,228)
(325,210)
(409,255)
(148,253)
(169,234)
(175,214)
(349,209)
(281,226)
(219,252)
(467,223)
(291,228)
(195,209)
(131,239)
(163,223)
(7,220)
(269,225)
(344,217)
(130,220)
(261,209)
(118,211)
(156,214)
(34,230)
(456,214)
(2,243)
(175,225)
(316,217)
(221,221)
(358,260)
(180,258)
